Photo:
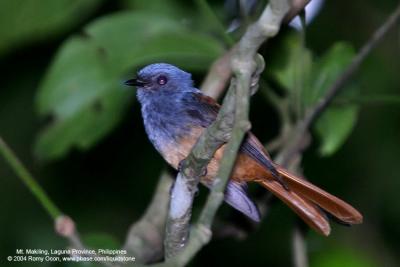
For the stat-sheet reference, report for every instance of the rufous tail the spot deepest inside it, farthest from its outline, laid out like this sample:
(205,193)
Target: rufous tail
(306,200)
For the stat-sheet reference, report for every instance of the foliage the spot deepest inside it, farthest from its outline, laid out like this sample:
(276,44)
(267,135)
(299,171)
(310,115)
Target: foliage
(306,79)
(83,88)
(26,21)
(63,64)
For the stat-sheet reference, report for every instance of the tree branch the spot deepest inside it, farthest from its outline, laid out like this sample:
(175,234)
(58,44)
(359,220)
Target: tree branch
(218,75)
(192,168)
(145,237)
(234,110)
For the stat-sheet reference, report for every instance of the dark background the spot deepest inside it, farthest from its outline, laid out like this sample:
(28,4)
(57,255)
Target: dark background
(107,187)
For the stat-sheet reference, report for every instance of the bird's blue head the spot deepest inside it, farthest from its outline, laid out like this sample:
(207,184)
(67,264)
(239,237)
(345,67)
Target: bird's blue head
(162,77)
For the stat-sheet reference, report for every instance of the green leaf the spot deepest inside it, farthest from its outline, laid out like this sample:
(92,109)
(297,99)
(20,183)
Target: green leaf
(307,79)
(334,126)
(84,127)
(292,63)
(337,122)
(291,68)
(27,21)
(295,68)
(170,7)
(326,70)
(83,90)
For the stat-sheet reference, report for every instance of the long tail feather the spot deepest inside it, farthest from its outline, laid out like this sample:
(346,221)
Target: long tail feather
(307,210)
(335,206)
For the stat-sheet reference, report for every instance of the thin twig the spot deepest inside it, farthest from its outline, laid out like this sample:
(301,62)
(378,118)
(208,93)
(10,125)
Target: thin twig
(29,181)
(282,107)
(299,248)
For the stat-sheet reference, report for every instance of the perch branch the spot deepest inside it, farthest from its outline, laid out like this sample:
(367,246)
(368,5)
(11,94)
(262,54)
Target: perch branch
(213,86)
(234,110)
(192,168)
(145,237)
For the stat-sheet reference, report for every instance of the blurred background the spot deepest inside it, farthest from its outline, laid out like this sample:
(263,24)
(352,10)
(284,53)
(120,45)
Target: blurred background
(66,114)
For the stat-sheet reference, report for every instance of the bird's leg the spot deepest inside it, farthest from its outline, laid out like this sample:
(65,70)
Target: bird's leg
(182,162)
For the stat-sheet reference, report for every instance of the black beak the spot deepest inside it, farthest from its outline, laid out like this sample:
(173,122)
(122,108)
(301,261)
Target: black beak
(135,82)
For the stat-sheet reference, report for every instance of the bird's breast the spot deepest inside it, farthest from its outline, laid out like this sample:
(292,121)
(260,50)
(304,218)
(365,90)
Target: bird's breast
(170,132)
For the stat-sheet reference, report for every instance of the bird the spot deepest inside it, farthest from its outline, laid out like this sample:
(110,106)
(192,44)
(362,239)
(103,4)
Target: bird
(175,113)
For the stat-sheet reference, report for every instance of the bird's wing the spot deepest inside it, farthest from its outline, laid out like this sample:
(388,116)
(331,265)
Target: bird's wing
(204,110)
(201,108)
(254,149)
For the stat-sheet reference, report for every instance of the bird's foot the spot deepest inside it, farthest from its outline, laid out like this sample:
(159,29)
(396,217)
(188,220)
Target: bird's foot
(181,167)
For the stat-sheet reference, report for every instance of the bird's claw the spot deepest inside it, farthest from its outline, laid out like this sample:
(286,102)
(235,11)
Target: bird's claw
(180,165)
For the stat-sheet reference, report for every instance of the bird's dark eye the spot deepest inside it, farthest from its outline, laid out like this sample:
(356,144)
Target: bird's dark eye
(161,80)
